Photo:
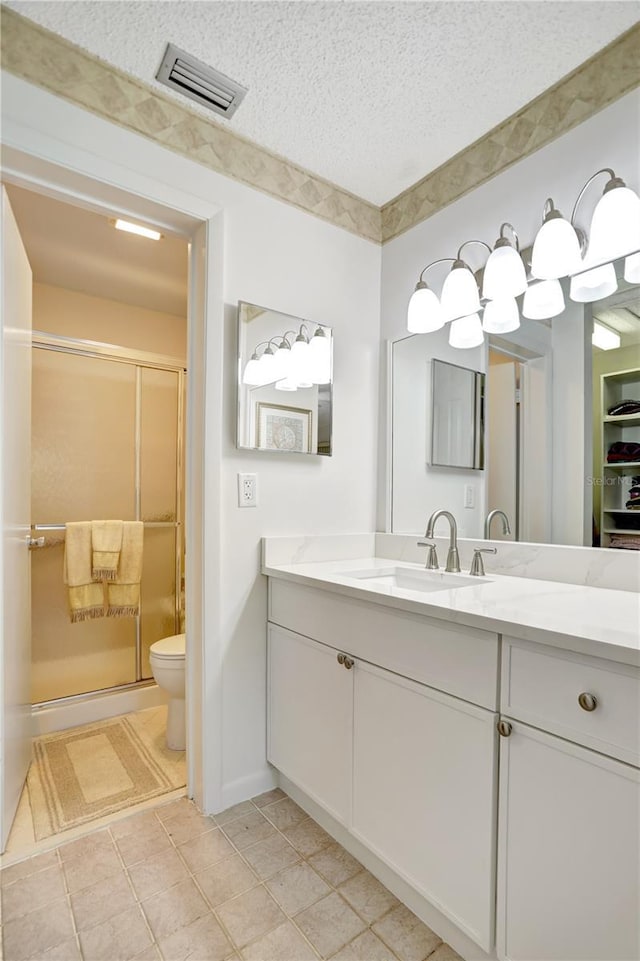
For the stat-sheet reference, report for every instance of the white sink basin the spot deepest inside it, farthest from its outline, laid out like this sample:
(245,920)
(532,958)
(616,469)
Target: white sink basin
(415,580)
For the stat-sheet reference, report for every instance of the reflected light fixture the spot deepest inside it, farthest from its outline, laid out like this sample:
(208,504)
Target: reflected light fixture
(130,228)
(504,272)
(556,248)
(252,375)
(501,316)
(466,332)
(632,269)
(605,338)
(593,284)
(320,357)
(543,300)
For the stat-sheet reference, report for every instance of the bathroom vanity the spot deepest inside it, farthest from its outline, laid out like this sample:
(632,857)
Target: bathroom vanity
(479,736)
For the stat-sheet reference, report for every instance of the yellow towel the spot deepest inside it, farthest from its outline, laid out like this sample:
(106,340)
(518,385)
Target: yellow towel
(86,598)
(106,543)
(124,592)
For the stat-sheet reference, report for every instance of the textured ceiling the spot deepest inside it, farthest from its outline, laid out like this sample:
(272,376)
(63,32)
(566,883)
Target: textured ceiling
(80,250)
(370,95)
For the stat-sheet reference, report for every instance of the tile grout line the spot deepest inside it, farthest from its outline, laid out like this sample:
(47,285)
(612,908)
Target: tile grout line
(76,933)
(154,943)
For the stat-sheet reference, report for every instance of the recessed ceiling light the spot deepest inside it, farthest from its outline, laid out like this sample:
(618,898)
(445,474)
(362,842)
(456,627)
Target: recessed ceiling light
(137,229)
(604,338)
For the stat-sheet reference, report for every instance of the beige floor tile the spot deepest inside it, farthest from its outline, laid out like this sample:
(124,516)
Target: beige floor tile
(157,873)
(29,866)
(85,870)
(297,887)
(32,934)
(121,938)
(174,908)
(87,847)
(277,794)
(445,953)
(308,837)
(335,864)
(136,825)
(368,897)
(238,810)
(248,829)
(67,951)
(208,849)
(32,892)
(152,953)
(202,940)
(366,947)
(284,814)
(406,935)
(270,856)
(225,880)
(181,806)
(138,847)
(250,915)
(187,823)
(97,903)
(330,924)
(284,943)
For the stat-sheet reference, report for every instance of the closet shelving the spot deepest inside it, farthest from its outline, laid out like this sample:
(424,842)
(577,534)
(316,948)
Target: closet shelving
(615,387)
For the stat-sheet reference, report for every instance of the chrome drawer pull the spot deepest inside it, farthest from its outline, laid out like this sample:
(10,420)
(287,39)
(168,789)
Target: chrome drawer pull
(588,702)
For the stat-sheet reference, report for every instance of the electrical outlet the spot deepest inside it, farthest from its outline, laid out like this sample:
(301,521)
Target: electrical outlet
(247,490)
(469,496)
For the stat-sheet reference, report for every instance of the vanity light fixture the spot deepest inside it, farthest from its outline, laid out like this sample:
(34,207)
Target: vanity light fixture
(504,272)
(460,295)
(605,338)
(501,316)
(466,332)
(543,300)
(615,225)
(425,313)
(130,228)
(556,248)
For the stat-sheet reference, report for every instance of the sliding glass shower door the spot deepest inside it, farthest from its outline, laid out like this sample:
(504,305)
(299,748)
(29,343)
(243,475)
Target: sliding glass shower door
(106,443)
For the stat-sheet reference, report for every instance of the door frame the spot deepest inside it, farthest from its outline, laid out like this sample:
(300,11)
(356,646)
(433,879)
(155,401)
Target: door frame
(111,188)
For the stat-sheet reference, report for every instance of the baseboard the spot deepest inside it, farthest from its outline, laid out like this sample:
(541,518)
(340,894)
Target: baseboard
(247,787)
(72,712)
(433,918)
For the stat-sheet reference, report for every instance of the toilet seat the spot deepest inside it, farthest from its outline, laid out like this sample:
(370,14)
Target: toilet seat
(169,648)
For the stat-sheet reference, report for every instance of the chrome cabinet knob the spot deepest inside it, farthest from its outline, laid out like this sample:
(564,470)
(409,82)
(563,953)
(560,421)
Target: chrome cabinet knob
(504,728)
(588,702)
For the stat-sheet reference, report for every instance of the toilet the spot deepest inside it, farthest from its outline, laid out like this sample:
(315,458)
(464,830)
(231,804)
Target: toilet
(167,658)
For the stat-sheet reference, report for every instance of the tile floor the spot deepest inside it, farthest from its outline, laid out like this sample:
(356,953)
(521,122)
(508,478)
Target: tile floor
(259,882)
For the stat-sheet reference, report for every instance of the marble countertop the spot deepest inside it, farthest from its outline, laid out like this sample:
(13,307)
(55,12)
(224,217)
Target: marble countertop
(591,620)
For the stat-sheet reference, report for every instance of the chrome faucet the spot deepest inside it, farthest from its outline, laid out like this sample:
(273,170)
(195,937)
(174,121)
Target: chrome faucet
(453,560)
(506,527)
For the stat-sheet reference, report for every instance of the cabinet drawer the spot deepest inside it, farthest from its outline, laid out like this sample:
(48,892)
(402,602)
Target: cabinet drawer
(458,660)
(542,685)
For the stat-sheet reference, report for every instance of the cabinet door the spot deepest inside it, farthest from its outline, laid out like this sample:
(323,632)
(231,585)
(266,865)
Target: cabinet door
(568,852)
(310,698)
(424,790)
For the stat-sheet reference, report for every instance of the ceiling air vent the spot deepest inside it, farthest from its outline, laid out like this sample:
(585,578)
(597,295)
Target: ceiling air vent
(199,82)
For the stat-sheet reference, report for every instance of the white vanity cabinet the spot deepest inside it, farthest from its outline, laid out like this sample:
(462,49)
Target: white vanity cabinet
(569,821)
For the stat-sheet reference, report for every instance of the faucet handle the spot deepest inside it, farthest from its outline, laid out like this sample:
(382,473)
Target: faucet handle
(477,564)
(432,556)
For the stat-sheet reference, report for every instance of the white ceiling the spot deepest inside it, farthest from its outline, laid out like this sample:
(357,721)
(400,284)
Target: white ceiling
(370,95)
(80,250)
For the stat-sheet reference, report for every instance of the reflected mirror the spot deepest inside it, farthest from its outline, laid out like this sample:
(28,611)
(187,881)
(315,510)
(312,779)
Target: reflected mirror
(561,428)
(284,382)
(457,416)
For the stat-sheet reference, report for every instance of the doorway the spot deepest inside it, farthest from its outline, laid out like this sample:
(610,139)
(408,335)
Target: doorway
(124,372)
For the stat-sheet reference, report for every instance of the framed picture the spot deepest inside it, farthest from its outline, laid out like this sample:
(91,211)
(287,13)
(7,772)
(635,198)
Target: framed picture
(283,428)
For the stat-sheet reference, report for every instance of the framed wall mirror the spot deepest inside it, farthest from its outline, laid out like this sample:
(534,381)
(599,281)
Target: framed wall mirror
(285,377)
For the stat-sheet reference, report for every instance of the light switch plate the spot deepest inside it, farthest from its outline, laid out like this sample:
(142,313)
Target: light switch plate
(469,496)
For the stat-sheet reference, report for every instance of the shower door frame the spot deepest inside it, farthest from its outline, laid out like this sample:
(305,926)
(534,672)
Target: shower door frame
(41,340)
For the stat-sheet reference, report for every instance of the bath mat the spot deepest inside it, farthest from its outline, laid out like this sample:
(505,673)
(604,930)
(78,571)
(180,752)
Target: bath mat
(89,772)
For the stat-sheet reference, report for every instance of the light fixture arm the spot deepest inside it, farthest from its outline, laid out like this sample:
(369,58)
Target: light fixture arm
(462,246)
(441,260)
(513,234)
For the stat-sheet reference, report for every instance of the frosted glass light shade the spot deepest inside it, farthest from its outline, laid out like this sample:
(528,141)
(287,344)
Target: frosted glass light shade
(425,313)
(615,227)
(283,361)
(501,316)
(252,376)
(632,269)
(593,284)
(504,274)
(320,357)
(460,297)
(268,367)
(300,370)
(543,300)
(286,384)
(466,332)
(556,250)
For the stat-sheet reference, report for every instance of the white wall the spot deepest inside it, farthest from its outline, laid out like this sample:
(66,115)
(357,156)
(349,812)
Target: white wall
(517,195)
(281,257)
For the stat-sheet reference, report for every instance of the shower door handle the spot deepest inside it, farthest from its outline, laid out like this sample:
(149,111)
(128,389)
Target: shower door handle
(33,542)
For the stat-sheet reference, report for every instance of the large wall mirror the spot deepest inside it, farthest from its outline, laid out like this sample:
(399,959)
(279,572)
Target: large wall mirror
(284,382)
(561,427)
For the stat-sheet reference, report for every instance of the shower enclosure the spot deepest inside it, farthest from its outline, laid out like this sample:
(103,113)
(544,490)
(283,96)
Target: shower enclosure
(107,442)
